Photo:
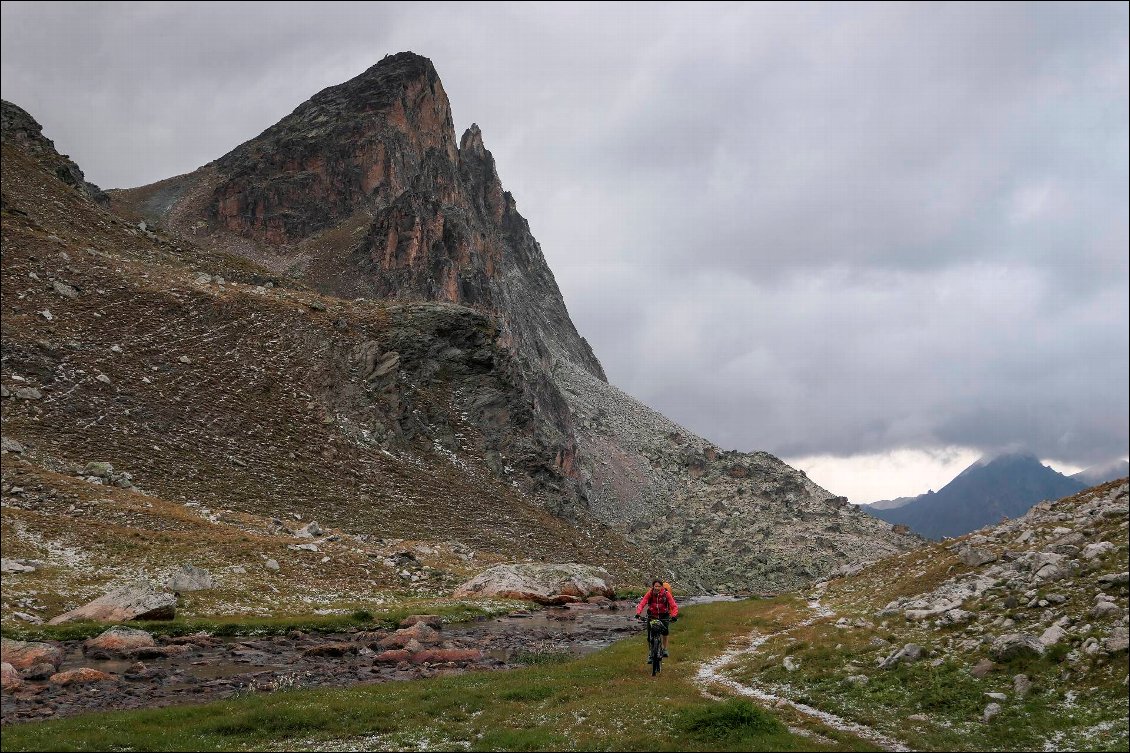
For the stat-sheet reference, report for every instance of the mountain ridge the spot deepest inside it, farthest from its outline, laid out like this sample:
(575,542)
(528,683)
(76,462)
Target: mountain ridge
(989,489)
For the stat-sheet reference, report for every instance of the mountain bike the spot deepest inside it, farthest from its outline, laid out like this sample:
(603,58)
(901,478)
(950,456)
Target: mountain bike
(655,632)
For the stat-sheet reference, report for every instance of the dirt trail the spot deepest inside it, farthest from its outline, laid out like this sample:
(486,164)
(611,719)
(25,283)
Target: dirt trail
(711,673)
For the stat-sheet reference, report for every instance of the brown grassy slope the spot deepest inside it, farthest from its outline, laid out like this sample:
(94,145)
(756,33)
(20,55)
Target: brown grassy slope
(253,399)
(92,537)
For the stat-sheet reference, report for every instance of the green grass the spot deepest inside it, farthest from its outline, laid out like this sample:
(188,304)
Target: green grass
(604,701)
(230,626)
(736,722)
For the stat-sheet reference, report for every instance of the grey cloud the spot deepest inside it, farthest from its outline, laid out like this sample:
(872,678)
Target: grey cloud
(817,229)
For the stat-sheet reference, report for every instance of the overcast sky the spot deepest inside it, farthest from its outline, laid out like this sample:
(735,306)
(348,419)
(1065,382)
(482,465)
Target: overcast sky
(877,240)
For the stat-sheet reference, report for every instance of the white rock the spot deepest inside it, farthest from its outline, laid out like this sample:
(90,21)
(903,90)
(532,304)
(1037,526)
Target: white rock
(546,584)
(1098,549)
(990,711)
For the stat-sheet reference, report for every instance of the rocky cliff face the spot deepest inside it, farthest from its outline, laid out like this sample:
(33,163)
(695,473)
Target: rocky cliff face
(363,191)
(20,128)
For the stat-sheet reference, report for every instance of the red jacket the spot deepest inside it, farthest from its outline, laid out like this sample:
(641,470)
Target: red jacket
(662,603)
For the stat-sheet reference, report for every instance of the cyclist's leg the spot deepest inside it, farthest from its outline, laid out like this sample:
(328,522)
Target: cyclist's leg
(667,634)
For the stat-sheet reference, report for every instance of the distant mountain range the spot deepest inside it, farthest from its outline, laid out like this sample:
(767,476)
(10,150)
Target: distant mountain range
(1005,486)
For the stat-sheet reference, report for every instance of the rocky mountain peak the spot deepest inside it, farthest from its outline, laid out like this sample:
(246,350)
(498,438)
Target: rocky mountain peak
(366,192)
(349,147)
(22,130)
(472,142)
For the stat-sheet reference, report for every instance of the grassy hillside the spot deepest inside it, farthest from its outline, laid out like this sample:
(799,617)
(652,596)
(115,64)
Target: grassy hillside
(1074,692)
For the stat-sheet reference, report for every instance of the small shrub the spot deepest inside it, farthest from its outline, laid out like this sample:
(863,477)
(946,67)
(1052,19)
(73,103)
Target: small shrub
(362,615)
(728,721)
(1057,652)
(796,648)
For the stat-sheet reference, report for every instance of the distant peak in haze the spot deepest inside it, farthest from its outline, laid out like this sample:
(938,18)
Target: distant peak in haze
(1103,472)
(1000,485)
(1001,459)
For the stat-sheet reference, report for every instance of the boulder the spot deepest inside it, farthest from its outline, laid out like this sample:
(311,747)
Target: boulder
(310,530)
(1052,636)
(139,601)
(856,680)
(40,671)
(791,664)
(908,654)
(544,584)
(1115,579)
(1021,685)
(159,652)
(9,677)
(917,615)
(1014,645)
(118,640)
(982,668)
(394,656)
(974,557)
(24,654)
(11,445)
(1098,549)
(81,676)
(1105,609)
(336,649)
(191,578)
(98,469)
(1050,572)
(419,632)
(956,617)
(441,655)
(1117,511)
(1117,641)
(990,711)
(431,620)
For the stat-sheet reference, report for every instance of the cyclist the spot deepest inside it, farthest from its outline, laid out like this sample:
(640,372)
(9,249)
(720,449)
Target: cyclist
(660,606)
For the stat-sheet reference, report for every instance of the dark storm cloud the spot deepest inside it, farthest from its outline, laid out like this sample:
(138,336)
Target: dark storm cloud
(811,229)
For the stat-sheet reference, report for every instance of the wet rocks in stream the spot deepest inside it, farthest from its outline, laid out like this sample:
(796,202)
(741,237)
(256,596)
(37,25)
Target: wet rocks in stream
(124,668)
